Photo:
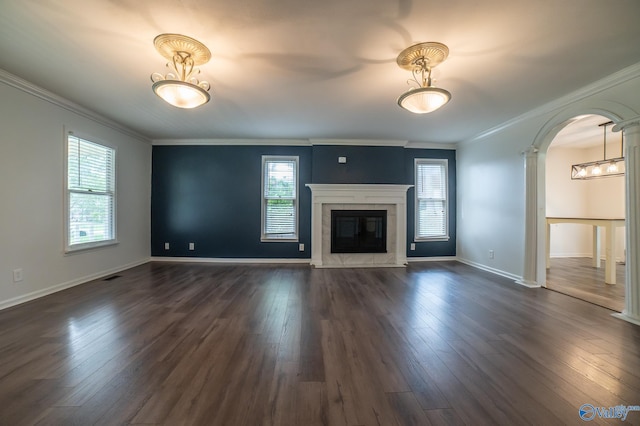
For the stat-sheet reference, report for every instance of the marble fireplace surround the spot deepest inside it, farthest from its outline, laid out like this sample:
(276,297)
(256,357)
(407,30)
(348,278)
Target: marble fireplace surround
(327,197)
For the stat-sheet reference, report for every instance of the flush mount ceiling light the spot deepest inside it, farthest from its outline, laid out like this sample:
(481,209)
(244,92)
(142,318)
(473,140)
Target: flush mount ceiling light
(602,168)
(420,59)
(179,86)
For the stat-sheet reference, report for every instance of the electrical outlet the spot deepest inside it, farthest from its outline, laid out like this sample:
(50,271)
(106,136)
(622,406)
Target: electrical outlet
(192,246)
(17,275)
(166,246)
(491,254)
(413,246)
(300,247)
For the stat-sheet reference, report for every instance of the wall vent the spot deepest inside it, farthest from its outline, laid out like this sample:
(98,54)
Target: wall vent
(112,277)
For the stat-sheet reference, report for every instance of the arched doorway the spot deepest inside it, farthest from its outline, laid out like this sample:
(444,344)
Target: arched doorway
(625,119)
(585,241)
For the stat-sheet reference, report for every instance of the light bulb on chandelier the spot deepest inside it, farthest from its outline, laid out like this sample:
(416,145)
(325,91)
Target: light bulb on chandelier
(596,169)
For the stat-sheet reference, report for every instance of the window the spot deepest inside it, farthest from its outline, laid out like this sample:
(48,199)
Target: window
(90,194)
(431,200)
(279,198)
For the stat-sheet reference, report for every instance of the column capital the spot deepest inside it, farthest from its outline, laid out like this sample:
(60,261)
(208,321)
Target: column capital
(627,124)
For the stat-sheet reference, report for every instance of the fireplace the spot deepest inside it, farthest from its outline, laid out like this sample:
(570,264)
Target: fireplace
(328,197)
(358,231)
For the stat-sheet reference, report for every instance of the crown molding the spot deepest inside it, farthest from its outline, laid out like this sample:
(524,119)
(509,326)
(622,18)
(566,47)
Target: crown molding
(31,89)
(358,142)
(290,142)
(235,142)
(304,142)
(431,145)
(605,83)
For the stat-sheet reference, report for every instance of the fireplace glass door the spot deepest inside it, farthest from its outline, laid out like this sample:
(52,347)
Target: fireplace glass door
(358,231)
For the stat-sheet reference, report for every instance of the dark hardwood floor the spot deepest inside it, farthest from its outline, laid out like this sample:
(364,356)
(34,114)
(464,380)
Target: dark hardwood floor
(200,344)
(576,277)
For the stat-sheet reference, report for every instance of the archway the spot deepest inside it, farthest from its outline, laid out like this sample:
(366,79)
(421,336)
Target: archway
(625,119)
(584,261)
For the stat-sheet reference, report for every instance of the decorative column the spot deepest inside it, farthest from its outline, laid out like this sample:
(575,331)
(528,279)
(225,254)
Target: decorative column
(531,219)
(631,130)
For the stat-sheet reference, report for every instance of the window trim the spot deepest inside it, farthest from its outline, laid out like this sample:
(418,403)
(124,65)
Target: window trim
(73,248)
(445,163)
(290,237)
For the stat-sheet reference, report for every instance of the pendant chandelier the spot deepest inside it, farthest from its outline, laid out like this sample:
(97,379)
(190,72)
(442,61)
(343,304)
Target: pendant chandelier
(601,168)
(420,59)
(179,87)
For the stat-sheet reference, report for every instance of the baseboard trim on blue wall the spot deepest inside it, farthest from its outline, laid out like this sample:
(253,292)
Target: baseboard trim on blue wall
(63,286)
(229,260)
(431,259)
(283,261)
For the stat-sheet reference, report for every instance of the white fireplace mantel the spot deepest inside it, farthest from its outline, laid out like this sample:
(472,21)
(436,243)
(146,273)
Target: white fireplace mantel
(349,194)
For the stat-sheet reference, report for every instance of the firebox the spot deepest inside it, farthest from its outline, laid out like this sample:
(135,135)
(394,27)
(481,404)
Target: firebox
(358,231)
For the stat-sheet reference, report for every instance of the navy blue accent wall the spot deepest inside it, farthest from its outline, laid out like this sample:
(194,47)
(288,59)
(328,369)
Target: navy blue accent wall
(430,248)
(365,164)
(211,196)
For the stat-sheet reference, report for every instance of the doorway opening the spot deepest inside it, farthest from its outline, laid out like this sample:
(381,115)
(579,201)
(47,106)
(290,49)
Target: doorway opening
(584,218)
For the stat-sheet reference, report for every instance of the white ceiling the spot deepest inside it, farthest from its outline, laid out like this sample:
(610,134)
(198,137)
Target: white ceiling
(586,132)
(298,69)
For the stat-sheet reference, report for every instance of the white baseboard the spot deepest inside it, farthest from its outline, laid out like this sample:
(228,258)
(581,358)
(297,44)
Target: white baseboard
(627,318)
(500,272)
(565,255)
(289,261)
(63,286)
(527,283)
(359,266)
(432,259)
(229,260)
(568,255)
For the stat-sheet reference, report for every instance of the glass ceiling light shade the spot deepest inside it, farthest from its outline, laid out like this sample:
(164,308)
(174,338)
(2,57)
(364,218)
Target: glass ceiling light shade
(424,99)
(420,59)
(180,87)
(601,168)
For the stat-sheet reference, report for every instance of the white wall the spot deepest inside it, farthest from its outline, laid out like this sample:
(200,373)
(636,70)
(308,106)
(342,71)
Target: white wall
(567,198)
(598,198)
(491,177)
(607,198)
(31,189)
(490,191)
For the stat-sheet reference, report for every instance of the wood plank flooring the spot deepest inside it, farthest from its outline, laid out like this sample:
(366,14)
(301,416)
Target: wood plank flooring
(576,277)
(198,344)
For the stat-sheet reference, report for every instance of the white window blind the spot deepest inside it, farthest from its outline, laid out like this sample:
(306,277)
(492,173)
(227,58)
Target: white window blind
(90,194)
(431,199)
(280,193)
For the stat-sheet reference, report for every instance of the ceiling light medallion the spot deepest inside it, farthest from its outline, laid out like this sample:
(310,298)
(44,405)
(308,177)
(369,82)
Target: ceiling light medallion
(597,169)
(420,59)
(180,87)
